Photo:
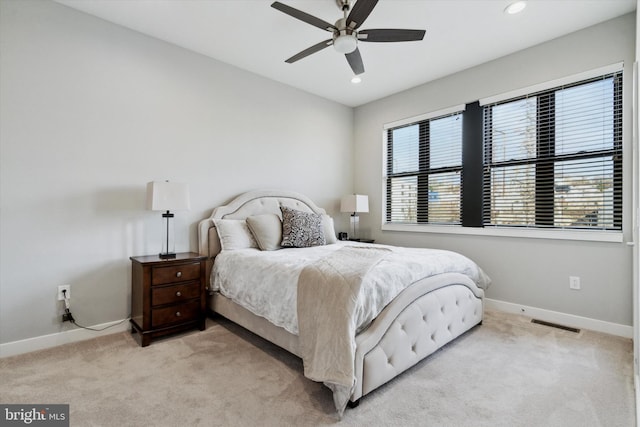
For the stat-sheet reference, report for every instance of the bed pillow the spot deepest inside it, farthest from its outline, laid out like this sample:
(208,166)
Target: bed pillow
(329,231)
(301,229)
(267,230)
(234,234)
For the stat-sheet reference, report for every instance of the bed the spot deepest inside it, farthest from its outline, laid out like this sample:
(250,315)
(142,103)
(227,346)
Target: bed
(359,346)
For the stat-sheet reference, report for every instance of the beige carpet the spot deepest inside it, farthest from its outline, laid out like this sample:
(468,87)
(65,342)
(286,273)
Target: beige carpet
(507,372)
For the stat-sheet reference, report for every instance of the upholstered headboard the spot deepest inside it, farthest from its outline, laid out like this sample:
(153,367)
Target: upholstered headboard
(251,203)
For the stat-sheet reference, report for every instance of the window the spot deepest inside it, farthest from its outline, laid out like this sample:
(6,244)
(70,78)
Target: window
(554,159)
(424,164)
(543,157)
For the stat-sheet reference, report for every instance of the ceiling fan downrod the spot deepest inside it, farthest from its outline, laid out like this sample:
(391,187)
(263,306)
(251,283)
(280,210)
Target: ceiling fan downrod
(344,6)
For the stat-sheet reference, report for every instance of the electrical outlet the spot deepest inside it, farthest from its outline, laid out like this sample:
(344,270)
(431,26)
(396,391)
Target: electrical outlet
(61,294)
(574,283)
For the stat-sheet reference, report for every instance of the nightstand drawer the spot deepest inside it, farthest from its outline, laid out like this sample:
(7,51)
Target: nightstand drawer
(162,295)
(175,273)
(179,313)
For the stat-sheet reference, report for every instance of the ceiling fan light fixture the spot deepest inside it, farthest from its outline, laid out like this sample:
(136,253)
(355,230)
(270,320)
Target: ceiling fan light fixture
(515,7)
(356,79)
(345,43)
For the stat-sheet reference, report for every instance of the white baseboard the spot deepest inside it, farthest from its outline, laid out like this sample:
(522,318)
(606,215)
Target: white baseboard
(561,318)
(79,334)
(59,338)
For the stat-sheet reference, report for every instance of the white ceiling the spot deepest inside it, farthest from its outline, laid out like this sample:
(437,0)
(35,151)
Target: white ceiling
(251,35)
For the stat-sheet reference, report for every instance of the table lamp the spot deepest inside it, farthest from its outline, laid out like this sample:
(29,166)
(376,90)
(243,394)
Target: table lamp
(168,196)
(354,203)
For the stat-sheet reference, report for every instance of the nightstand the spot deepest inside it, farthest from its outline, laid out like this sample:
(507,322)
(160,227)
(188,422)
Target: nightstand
(167,295)
(362,240)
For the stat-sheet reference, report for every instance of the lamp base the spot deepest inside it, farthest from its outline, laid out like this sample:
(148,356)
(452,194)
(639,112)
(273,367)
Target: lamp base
(355,224)
(168,255)
(168,248)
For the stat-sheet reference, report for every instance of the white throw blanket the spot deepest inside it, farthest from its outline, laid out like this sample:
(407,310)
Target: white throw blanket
(328,295)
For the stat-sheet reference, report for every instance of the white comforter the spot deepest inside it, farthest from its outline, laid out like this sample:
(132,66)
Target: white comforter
(265,282)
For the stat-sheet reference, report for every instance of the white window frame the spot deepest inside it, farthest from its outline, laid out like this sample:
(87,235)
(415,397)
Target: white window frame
(612,236)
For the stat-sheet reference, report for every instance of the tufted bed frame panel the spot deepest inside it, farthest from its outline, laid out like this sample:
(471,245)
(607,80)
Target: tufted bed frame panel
(420,320)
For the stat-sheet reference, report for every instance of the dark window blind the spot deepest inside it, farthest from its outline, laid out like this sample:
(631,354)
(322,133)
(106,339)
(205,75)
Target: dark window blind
(424,164)
(554,159)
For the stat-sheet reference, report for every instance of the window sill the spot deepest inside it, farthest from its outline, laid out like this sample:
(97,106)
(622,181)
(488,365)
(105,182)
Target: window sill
(525,233)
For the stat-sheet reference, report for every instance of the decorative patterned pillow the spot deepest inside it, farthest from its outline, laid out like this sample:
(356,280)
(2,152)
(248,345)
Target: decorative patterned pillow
(301,229)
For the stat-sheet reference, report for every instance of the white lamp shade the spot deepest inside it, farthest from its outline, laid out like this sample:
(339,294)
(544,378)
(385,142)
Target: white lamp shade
(168,196)
(354,203)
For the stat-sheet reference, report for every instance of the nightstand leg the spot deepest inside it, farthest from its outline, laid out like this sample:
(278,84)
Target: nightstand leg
(146,340)
(142,338)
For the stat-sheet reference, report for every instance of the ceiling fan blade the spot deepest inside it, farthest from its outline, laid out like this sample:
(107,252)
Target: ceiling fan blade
(390,35)
(303,16)
(360,12)
(308,51)
(355,61)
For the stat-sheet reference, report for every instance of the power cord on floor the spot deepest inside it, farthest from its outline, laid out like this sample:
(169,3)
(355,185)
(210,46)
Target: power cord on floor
(96,329)
(68,317)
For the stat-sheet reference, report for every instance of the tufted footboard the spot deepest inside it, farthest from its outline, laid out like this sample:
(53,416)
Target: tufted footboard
(419,322)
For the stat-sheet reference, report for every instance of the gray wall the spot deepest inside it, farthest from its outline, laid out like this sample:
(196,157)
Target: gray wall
(90,112)
(532,272)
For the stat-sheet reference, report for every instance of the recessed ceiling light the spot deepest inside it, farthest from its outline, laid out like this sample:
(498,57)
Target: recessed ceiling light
(356,79)
(515,7)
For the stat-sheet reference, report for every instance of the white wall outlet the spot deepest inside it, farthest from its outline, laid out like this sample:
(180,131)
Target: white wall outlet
(61,294)
(574,283)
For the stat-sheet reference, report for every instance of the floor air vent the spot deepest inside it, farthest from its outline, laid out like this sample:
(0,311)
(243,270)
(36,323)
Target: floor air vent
(555,325)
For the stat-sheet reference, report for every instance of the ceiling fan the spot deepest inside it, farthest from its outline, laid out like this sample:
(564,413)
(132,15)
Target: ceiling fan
(345,35)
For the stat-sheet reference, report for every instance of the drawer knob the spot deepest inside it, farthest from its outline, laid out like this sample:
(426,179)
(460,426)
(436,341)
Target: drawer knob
(179,274)
(178,314)
(178,294)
